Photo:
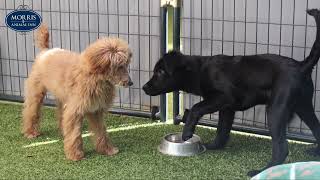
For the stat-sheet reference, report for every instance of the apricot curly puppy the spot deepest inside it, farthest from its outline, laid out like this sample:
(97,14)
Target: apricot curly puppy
(83,85)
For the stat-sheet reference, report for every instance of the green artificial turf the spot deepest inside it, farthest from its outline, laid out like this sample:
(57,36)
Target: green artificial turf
(138,157)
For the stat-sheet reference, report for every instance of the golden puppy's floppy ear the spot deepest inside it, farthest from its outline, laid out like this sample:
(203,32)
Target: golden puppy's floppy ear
(106,53)
(118,53)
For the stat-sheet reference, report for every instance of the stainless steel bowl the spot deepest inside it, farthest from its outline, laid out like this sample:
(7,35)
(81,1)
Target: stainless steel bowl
(172,144)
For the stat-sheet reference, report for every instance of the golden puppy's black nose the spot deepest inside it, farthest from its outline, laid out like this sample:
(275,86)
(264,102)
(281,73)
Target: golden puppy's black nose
(130,83)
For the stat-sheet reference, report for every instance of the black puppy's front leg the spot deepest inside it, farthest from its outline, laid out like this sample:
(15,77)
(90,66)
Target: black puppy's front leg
(226,118)
(185,115)
(195,113)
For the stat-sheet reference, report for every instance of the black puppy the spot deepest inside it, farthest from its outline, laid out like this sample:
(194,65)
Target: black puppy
(235,83)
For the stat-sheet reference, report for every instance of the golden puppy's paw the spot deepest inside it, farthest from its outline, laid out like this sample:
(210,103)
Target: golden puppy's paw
(77,156)
(31,135)
(110,151)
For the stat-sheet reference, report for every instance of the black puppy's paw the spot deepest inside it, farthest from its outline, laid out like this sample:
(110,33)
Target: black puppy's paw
(313,151)
(253,172)
(187,135)
(213,146)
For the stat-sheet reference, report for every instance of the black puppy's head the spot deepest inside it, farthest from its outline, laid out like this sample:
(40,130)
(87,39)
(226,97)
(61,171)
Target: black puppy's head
(167,74)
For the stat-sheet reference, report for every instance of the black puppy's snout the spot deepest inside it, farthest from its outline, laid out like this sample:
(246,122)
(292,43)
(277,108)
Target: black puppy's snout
(145,87)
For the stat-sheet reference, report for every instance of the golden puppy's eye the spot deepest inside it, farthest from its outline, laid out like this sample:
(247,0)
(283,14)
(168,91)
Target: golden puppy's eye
(130,54)
(122,68)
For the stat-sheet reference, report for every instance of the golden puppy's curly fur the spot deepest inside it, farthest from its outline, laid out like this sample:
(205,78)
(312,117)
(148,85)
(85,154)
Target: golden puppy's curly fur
(83,85)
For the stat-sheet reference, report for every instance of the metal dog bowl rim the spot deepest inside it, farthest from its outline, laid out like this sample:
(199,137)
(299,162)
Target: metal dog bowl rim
(202,147)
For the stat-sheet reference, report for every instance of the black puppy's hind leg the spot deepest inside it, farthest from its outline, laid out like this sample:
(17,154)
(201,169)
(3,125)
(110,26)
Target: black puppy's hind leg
(226,118)
(306,113)
(279,112)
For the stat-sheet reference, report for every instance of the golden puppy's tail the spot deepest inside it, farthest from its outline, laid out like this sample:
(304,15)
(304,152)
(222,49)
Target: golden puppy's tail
(42,37)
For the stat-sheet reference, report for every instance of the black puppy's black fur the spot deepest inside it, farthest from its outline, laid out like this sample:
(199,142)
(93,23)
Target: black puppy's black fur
(235,83)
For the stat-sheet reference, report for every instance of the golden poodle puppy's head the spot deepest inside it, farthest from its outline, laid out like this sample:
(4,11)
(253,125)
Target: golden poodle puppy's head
(109,57)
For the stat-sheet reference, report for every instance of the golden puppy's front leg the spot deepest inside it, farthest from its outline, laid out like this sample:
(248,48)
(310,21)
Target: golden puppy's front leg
(72,125)
(34,94)
(59,112)
(101,139)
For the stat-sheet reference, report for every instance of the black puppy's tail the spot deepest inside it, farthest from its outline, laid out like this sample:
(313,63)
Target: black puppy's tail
(313,58)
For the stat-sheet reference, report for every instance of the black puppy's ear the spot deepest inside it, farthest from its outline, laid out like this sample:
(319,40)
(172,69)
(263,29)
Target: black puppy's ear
(172,61)
(169,66)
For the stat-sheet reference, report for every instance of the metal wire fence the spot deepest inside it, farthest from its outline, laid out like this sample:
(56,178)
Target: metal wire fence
(73,25)
(246,27)
(208,27)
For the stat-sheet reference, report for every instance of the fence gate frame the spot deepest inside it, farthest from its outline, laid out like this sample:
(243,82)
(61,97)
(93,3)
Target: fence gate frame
(176,5)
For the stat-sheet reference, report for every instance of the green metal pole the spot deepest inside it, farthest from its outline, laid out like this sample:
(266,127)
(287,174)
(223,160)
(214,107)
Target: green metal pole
(176,46)
(163,49)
